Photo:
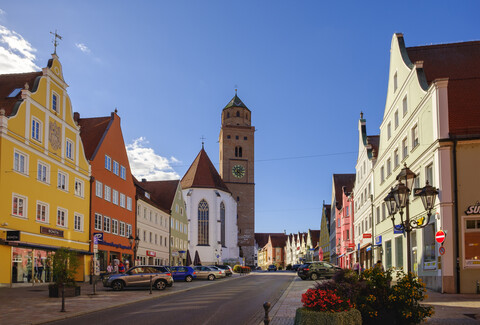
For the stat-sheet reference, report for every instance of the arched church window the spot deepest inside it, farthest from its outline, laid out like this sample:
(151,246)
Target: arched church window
(228,114)
(222,224)
(203,223)
(238,114)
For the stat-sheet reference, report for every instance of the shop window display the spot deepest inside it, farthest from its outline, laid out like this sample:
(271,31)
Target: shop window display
(31,265)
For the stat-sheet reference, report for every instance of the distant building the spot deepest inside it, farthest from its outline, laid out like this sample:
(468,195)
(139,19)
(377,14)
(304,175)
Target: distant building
(324,242)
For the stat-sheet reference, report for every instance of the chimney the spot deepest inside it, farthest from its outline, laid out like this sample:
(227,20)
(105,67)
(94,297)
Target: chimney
(144,180)
(76,116)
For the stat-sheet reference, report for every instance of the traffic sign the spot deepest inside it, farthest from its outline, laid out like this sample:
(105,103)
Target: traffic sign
(441,250)
(440,236)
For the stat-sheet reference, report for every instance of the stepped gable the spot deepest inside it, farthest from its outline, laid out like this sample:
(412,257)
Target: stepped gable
(460,63)
(10,82)
(92,131)
(202,174)
(341,180)
(162,192)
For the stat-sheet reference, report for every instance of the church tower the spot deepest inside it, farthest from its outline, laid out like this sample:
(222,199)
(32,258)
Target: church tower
(237,170)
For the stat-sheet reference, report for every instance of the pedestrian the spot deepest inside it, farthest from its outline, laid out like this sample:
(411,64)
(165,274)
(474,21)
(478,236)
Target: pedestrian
(127,264)
(379,265)
(121,267)
(109,268)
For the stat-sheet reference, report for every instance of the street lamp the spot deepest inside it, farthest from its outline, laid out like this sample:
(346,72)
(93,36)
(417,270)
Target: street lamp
(398,199)
(134,244)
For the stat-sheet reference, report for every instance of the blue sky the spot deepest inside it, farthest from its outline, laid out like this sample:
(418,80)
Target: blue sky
(304,68)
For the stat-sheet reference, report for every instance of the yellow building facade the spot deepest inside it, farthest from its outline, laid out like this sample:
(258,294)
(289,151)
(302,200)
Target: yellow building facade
(44,177)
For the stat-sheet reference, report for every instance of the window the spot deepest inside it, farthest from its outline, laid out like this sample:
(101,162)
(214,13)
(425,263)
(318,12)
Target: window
(62,182)
(405,106)
(404,148)
(36,130)
(156,239)
(43,172)
(122,200)
(384,211)
(399,252)
(42,212)
(389,167)
(19,206)
(106,224)
(98,221)
(115,197)
(62,217)
(471,238)
(395,118)
(129,230)
(122,228)
(414,137)
(416,182)
(78,222)
(123,172)
(396,158)
(108,162)
(144,213)
(69,149)
(108,194)
(176,224)
(129,203)
(151,237)
(145,236)
(54,102)
(429,174)
(382,174)
(202,223)
(238,151)
(245,138)
(395,82)
(78,187)
(429,257)
(147,195)
(115,226)
(115,167)
(98,189)
(388,254)
(378,215)
(20,162)
(389,130)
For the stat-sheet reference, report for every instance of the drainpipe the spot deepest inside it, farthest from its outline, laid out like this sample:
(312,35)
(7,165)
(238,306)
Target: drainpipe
(455,206)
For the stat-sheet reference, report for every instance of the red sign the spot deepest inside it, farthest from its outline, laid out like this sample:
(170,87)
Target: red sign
(440,236)
(320,254)
(367,236)
(150,253)
(441,250)
(351,245)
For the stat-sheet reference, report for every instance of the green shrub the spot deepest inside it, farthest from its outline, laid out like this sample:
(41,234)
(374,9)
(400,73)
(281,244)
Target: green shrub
(241,269)
(304,316)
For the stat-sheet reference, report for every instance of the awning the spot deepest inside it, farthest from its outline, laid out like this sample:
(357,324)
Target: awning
(47,247)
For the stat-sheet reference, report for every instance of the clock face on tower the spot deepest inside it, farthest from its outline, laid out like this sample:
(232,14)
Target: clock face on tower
(238,171)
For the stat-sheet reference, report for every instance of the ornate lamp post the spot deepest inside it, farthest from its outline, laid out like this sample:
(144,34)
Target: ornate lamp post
(134,244)
(398,200)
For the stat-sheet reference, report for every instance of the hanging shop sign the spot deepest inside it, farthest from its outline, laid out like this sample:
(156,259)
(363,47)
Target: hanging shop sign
(473,209)
(51,231)
(98,236)
(378,240)
(151,253)
(367,235)
(13,235)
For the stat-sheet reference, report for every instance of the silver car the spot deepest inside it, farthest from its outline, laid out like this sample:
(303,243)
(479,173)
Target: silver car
(139,276)
(208,272)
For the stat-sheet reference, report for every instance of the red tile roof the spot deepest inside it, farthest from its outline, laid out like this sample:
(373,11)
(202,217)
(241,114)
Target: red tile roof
(141,190)
(92,131)
(278,240)
(10,82)
(460,63)
(162,192)
(339,181)
(202,174)
(262,238)
(315,235)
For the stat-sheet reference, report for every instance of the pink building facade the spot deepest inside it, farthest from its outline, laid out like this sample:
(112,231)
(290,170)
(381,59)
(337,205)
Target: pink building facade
(344,230)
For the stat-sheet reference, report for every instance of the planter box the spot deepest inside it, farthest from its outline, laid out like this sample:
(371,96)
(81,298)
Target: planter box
(304,316)
(55,291)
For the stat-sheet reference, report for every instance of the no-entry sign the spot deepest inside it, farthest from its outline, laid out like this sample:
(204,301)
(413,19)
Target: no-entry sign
(440,236)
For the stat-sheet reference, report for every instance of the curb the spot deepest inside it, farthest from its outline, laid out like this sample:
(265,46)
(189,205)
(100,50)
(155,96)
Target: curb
(132,302)
(276,305)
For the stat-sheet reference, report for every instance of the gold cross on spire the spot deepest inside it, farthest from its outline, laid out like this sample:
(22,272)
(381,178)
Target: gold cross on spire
(56,37)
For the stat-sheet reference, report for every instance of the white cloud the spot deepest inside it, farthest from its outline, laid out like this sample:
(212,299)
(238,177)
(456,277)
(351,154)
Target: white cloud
(16,53)
(83,48)
(2,12)
(145,163)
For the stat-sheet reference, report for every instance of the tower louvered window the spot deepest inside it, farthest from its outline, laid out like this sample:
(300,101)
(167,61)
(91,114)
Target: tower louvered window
(203,223)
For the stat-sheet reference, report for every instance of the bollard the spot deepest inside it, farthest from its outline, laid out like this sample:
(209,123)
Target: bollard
(63,298)
(151,277)
(266,306)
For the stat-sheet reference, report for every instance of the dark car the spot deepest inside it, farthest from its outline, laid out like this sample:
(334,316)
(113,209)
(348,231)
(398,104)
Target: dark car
(295,267)
(272,268)
(227,268)
(183,273)
(140,276)
(317,270)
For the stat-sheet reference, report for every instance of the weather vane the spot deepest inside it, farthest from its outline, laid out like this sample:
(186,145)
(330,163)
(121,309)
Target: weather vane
(236,90)
(56,37)
(203,142)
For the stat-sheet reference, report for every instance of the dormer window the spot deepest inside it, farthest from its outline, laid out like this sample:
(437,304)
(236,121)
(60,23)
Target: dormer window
(14,93)
(147,195)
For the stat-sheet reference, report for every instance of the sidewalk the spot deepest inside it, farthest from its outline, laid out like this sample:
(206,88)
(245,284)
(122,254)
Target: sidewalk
(31,304)
(449,308)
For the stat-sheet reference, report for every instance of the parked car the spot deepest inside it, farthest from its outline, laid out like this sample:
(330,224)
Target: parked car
(222,273)
(139,276)
(226,268)
(295,267)
(316,270)
(272,268)
(183,273)
(209,273)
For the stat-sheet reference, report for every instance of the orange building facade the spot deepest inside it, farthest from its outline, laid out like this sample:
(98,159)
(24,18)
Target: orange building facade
(112,215)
